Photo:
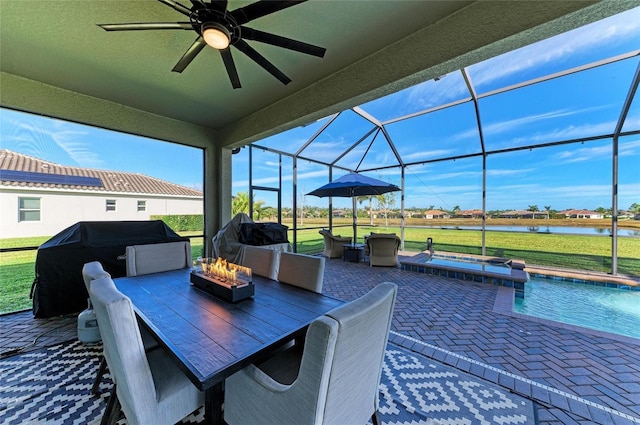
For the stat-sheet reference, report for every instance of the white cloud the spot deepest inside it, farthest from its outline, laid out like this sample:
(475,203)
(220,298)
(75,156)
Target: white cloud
(602,33)
(42,137)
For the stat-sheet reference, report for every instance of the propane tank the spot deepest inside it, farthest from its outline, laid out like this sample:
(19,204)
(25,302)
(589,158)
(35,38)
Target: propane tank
(88,331)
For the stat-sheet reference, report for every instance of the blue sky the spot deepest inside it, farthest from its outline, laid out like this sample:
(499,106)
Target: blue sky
(569,176)
(83,146)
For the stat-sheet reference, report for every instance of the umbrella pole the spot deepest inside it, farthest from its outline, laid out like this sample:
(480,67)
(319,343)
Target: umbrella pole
(355,221)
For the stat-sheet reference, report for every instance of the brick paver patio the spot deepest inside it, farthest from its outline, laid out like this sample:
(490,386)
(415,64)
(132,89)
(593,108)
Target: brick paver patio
(575,376)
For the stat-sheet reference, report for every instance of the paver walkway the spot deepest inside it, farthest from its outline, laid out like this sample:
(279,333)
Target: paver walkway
(575,376)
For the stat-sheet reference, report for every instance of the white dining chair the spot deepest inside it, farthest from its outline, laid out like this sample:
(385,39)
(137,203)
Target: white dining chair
(148,386)
(334,379)
(304,271)
(156,258)
(262,261)
(90,272)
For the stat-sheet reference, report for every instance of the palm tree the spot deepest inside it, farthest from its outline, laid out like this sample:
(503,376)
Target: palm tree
(258,208)
(240,203)
(548,208)
(455,210)
(533,209)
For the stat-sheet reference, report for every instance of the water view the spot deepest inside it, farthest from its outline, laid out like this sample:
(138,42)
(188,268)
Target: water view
(547,229)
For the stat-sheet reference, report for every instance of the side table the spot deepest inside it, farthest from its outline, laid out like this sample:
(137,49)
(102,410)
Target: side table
(353,252)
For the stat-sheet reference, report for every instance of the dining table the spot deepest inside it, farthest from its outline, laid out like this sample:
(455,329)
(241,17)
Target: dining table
(211,338)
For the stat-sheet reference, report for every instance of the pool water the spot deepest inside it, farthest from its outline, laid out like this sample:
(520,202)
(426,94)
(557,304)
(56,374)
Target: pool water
(606,309)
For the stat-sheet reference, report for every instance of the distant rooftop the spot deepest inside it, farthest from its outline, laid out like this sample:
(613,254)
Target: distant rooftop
(17,170)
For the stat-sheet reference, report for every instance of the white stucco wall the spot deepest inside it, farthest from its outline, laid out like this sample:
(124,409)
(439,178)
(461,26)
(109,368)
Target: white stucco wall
(59,210)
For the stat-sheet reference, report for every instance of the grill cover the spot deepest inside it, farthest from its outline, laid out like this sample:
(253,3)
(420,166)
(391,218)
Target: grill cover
(58,287)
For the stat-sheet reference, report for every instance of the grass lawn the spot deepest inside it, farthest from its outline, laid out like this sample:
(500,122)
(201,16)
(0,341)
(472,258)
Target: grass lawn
(17,271)
(565,251)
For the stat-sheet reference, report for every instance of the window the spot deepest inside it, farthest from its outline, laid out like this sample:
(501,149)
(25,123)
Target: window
(29,209)
(142,206)
(111,204)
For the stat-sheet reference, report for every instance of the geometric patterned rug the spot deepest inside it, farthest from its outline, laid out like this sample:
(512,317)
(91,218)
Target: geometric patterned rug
(52,386)
(433,393)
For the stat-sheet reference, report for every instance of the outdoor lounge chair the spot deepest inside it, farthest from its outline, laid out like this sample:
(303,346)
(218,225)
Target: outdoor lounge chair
(333,244)
(382,249)
(334,379)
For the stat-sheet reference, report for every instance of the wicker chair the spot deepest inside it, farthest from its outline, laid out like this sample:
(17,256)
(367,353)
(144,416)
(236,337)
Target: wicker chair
(382,249)
(333,244)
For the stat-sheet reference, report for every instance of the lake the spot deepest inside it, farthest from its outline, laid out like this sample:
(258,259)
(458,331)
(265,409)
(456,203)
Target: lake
(545,229)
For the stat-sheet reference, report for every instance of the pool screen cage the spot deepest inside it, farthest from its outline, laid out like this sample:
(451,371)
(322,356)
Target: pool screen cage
(462,123)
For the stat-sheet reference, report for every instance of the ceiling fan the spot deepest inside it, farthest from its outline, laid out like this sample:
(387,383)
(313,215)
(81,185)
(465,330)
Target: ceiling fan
(221,29)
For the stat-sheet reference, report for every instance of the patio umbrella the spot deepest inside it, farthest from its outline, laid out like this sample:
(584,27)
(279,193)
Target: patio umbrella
(353,185)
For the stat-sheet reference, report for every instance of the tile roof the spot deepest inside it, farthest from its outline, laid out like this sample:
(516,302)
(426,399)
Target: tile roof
(112,181)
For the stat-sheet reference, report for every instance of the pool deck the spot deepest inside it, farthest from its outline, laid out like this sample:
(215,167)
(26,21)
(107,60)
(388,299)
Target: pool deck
(574,375)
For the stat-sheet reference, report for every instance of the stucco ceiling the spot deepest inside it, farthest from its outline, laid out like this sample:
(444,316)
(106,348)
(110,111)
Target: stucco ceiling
(56,61)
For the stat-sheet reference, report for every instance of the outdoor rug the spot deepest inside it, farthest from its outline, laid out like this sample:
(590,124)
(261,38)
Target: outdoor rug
(52,386)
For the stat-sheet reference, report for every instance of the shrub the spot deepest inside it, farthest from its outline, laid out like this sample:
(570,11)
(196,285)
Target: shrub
(182,223)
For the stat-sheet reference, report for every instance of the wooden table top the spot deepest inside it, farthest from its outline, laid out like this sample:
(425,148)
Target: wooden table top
(212,338)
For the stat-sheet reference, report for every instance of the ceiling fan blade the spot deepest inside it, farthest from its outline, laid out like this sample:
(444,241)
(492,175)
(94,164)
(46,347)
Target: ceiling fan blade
(231,67)
(262,61)
(287,43)
(189,55)
(147,26)
(177,6)
(219,5)
(242,15)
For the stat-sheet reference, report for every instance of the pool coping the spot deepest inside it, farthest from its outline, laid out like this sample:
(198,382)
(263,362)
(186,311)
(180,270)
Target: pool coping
(585,277)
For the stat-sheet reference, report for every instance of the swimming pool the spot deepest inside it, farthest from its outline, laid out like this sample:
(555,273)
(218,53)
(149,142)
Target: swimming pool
(596,307)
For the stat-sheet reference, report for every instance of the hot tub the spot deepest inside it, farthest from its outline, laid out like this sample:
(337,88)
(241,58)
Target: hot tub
(492,270)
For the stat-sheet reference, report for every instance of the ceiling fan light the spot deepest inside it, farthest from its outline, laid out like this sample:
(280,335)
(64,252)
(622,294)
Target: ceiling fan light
(216,35)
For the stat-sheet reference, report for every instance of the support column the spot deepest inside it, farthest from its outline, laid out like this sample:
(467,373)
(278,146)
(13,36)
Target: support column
(217,192)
